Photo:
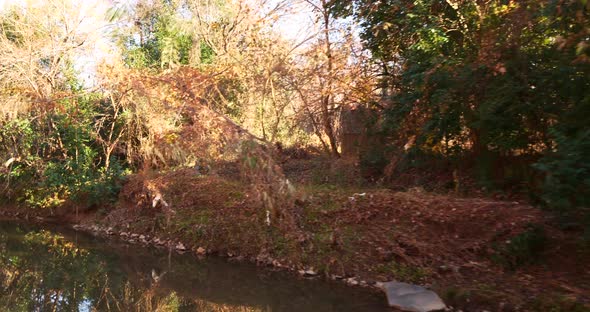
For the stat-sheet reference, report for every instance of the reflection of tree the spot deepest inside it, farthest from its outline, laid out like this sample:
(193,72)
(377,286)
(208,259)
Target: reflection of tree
(153,299)
(43,271)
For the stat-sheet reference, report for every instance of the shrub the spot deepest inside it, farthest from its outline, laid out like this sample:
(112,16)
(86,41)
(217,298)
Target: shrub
(523,249)
(567,183)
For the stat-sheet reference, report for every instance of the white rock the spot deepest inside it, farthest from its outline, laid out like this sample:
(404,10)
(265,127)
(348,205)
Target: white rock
(408,297)
(201,251)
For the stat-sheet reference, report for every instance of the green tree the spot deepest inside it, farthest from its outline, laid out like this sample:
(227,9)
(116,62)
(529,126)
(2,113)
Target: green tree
(497,83)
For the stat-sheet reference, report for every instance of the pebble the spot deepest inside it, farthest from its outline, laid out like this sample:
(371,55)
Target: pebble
(308,272)
(351,281)
(180,247)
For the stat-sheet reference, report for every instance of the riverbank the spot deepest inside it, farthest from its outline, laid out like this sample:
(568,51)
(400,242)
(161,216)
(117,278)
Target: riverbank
(477,253)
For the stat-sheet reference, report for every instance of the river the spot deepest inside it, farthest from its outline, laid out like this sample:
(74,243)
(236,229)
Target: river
(57,269)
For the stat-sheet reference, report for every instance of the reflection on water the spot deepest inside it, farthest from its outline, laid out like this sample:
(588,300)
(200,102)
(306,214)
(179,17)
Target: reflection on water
(50,270)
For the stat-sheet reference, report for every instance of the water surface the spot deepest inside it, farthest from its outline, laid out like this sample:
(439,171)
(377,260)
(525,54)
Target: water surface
(54,269)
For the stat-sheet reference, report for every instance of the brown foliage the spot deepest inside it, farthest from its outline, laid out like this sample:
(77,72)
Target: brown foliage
(181,127)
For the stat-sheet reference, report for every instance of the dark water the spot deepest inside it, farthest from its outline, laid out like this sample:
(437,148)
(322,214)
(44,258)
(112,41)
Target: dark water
(53,269)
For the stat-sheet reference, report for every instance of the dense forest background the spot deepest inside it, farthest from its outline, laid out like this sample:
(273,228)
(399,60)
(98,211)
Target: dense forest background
(488,95)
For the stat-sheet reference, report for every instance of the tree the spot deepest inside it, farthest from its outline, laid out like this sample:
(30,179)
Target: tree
(152,34)
(36,47)
(487,82)
(46,132)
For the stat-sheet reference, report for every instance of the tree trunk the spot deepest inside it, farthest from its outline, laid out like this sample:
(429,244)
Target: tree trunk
(327,105)
(328,126)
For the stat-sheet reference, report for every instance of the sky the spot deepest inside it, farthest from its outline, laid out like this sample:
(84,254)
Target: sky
(298,24)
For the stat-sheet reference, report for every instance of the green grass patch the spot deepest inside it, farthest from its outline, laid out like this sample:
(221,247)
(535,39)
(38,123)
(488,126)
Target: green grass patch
(403,272)
(193,224)
(280,244)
